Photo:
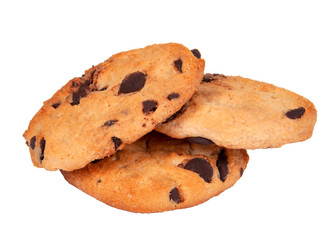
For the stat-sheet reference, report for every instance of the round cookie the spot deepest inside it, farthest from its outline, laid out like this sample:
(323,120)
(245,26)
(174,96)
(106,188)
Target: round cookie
(241,113)
(158,173)
(112,104)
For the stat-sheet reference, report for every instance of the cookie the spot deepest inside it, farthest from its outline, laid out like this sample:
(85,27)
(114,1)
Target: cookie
(158,173)
(112,104)
(241,113)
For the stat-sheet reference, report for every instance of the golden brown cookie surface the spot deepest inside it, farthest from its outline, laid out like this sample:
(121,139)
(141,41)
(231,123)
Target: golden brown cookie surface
(158,173)
(241,113)
(112,104)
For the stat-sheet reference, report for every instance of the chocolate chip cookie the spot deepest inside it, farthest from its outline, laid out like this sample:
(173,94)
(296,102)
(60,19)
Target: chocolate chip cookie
(158,173)
(114,103)
(241,113)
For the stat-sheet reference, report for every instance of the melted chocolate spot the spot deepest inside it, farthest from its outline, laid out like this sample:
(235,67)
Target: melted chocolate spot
(32,142)
(117,142)
(173,96)
(295,113)
(42,146)
(241,172)
(222,165)
(176,114)
(56,105)
(175,196)
(202,167)
(132,83)
(110,123)
(196,53)
(200,140)
(81,92)
(178,64)
(209,77)
(149,106)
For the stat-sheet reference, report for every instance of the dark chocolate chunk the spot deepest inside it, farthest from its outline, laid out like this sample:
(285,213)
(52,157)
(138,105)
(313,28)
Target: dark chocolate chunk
(91,77)
(176,114)
(42,146)
(81,92)
(132,83)
(175,196)
(27,143)
(32,142)
(173,96)
(149,106)
(208,77)
(200,140)
(202,167)
(196,53)
(241,172)
(110,123)
(117,142)
(178,64)
(295,113)
(56,105)
(222,165)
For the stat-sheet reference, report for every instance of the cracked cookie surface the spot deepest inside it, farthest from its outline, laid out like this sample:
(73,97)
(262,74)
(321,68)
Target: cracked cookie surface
(114,103)
(241,113)
(158,173)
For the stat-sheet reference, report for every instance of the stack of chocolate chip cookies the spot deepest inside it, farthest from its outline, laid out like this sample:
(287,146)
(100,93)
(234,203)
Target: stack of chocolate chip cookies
(148,131)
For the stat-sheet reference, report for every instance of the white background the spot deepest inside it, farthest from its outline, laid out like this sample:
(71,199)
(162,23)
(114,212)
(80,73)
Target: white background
(44,44)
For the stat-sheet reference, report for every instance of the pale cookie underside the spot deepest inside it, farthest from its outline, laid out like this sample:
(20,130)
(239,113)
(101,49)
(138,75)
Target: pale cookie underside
(241,113)
(112,104)
(158,173)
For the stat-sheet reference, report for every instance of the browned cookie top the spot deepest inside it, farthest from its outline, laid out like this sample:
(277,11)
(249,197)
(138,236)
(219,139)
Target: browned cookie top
(158,173)
(112,104)
(241,113)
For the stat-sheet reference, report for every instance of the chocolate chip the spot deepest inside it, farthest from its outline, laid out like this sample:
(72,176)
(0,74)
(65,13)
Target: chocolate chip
(196,53)
(99,181)
(110,123)
(295,113)
(81,92)
(132,83)
(176,114)
(178,64)
(32,142)
(202,167)
(149,106)
(175,195)
(208,77)
(27,143)
(200,140)
(241,172)
(117,142)
(222,165)
(173,96)
(56,105)
(42,146)
(91,76)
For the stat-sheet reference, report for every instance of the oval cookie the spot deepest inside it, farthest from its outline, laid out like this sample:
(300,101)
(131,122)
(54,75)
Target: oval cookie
(112,104)
(158,173)
(241,113)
